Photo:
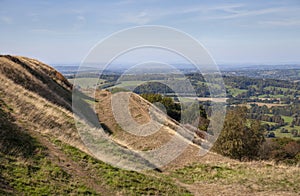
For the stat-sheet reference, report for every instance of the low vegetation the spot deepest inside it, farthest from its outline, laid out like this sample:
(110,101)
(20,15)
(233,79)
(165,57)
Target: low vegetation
(281,150)
(252,177)
(25,167)
(127,182)
(38,176)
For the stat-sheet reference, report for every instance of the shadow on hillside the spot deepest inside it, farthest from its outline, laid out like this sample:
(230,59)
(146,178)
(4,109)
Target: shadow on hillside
(13,140)
(83,110)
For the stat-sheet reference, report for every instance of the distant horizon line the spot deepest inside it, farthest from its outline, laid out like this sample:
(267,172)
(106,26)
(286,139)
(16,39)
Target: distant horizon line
(178,63)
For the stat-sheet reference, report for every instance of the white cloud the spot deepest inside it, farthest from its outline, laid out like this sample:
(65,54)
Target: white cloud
(80,21)
(52,32)
(80,18)
(230,8)
(244,13)
(6,20)
(124,2)
(205,12)
(286,22)
(142,17)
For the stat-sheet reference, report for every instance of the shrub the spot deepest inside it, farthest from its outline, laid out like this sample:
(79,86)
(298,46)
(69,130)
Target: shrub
(281,150)
(239,139)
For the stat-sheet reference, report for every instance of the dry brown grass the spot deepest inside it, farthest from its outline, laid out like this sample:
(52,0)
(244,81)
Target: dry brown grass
(45,111)
(39,78)
(106,116)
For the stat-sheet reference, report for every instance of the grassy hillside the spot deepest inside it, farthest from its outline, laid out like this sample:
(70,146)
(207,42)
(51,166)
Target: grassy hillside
(41,152)
(40,147)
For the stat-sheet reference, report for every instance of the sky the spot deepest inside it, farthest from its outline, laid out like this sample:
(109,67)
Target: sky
(234,32)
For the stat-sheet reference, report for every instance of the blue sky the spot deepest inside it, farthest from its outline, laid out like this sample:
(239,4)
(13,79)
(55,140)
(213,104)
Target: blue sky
(234,32)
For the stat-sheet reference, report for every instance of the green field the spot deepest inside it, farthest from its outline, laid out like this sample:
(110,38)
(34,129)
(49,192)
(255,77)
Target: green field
(287,119)
(130,84)
(277,132)
(235,91)
(86,82)
(279,88)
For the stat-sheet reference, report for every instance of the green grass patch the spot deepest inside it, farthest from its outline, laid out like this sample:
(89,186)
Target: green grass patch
(129,182)
(287,119)
(263,177)
(288,135)
(38,176)
(269,123)
(235,91)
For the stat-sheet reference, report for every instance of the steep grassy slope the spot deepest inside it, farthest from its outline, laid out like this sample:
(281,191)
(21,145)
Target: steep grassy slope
(37,131)
(41,152)
(38,78)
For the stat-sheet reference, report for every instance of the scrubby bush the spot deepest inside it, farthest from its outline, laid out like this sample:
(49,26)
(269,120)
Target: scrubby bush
(281,150)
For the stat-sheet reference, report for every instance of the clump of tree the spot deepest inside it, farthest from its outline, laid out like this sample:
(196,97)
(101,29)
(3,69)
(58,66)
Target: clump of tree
(153,88)
(295,133)
(193,114)
(296,121)
(173,109)
(271,134)
(281,150)
(269,127)
(283,130)
(276,118)
(240,138)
